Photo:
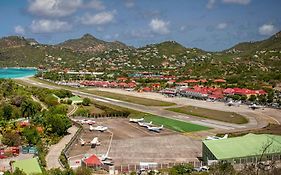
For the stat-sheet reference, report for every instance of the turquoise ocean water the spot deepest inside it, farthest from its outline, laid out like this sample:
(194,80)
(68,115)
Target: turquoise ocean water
(17,72)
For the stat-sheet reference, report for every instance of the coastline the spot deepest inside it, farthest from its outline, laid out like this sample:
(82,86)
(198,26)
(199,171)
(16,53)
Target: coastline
(19,68)
(17,72)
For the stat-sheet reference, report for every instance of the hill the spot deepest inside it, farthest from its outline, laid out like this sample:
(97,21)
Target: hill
(272,43)
(250,61)
(19,51)
(89,43)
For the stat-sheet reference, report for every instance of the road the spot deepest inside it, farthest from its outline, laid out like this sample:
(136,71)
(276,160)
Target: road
(256,120)
(38,101)
(52,158)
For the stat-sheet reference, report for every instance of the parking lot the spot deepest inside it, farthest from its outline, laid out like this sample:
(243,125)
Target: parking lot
(132,144)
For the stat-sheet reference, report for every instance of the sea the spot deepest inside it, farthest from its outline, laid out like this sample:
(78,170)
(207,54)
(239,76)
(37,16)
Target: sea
(7,73)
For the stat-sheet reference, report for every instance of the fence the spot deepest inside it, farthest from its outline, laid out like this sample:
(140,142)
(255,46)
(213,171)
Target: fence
(153,166)
(70,143)
(111,115)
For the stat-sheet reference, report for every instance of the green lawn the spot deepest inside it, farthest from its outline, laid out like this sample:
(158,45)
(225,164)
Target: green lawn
(176,125)
(230,117)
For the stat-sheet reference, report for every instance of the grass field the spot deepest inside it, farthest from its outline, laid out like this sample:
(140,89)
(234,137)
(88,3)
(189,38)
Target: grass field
(230,117)
(131,99)
(176,125)
(127,98)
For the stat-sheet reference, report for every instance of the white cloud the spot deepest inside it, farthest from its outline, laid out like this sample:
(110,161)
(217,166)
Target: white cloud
(242,2)
(53,8)
(96,4)
(19,30)
(210,4)
(221,26)
(182,28)
(97,19)
(159,26)
(129,3)
(267,29)
(49,26)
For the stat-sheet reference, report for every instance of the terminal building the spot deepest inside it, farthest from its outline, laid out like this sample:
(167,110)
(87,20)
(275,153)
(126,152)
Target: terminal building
(245,149)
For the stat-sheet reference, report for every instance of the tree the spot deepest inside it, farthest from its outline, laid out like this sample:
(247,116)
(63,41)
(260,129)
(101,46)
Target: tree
(31,135)
(181,169)
(83,171)
(262,98)
(29,108)
(11,139)
(222,168)
(59,109)
(270,97)
(57,123)
(62,93)
(86,102)
(82,112)
(51,100)
(7,111)
(252,98)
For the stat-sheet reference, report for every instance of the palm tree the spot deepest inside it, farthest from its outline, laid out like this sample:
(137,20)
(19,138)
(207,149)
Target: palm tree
(28,109)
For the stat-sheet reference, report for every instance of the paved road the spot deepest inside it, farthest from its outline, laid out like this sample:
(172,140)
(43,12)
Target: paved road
(254,120)
(52,157)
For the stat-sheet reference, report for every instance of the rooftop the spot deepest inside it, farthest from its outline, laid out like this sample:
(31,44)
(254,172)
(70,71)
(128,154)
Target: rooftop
(244,146)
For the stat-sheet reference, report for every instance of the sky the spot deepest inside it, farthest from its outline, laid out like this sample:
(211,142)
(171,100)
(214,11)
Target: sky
(212,25)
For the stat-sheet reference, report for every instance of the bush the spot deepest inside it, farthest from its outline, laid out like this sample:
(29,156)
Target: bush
(86,102)
(82,112)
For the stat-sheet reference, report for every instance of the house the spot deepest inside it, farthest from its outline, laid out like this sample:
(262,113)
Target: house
(76,99)
(92,162)
(219,81)
(28,166)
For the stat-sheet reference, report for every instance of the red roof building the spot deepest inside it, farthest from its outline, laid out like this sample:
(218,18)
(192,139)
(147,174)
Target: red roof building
(122,79)
(146,89)
(92,161)
(190,81)
(219,81)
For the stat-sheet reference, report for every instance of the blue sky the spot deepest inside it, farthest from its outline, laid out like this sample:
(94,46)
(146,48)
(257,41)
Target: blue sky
(207,24)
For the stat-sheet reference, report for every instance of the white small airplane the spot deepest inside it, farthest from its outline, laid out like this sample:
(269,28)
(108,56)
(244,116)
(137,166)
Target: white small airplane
(98,128)
(232,103)
(95,141)
(255,106)
(89,122)
(108,162)
(82,142)
(155,128)
(216,137)
(129,89)
(136,120)
(105,157)
(145,124)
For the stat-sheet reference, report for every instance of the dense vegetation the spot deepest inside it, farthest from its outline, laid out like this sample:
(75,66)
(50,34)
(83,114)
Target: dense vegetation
(23,121)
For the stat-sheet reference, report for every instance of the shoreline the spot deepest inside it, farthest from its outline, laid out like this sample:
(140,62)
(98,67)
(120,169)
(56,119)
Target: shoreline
(19,68)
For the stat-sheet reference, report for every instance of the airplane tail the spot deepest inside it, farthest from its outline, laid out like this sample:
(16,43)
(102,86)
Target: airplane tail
(161,126)
(150,122)
(225,136)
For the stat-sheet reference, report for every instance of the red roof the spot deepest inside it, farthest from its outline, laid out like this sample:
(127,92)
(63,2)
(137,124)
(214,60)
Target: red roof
(132,85)
(92,161)
(146,89)
(219,81)
(190,81)
(203,80)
